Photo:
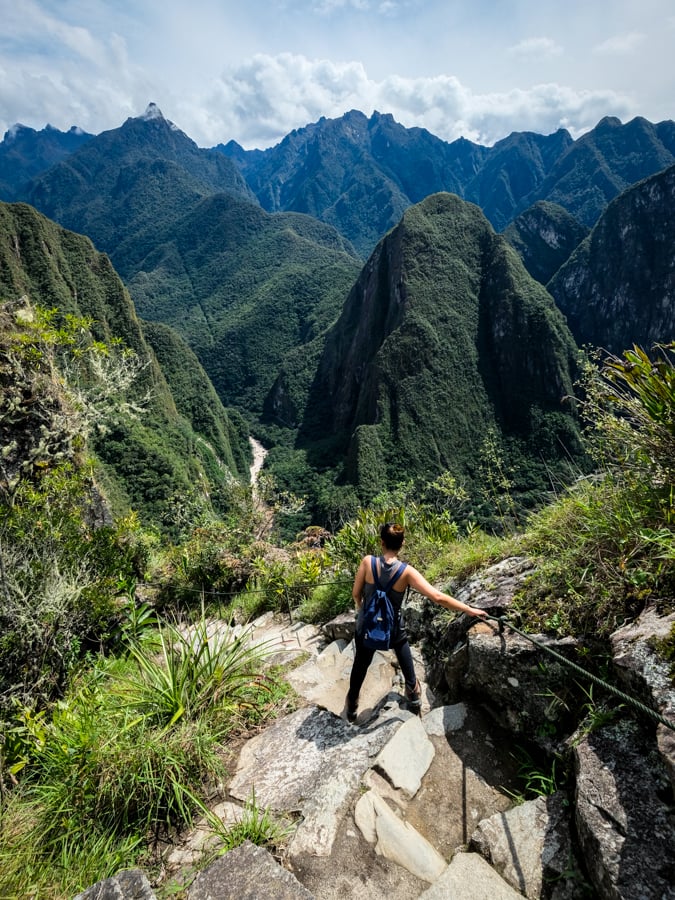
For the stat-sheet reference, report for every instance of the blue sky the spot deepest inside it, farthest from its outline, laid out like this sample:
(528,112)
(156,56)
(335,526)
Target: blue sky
(252,71)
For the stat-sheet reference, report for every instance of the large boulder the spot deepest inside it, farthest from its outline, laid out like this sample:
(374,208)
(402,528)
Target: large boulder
(529,691)
(646,672)
(624,821)
(530,846)
(443,642)
(247,873)
(131,884)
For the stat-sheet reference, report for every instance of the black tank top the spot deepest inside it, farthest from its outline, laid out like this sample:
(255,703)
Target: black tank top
(385,574)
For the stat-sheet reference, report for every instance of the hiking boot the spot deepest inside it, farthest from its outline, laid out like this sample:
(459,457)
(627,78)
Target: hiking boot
(414,697)
(351,711)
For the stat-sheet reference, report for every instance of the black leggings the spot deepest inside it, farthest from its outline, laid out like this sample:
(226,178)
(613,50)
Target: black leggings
(364,656)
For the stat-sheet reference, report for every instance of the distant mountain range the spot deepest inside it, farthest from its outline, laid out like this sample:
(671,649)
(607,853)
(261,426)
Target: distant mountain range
(356,173)
(26,153)
(355,373)
(359,174)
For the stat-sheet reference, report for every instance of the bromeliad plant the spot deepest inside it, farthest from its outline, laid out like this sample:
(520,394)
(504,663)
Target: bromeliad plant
(196,671)
(123,755)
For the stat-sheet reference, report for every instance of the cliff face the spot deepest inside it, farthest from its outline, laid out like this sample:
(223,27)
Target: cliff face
(618,288)
(545,235)
(444,338)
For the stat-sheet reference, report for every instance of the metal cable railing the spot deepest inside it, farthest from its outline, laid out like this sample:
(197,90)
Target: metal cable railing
(632,701)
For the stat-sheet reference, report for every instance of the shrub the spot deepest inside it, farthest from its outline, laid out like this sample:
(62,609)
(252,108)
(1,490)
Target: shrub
(59,579)
(197,672)
(608,545)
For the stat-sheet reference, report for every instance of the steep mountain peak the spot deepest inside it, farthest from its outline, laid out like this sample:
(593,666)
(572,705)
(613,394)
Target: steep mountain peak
(152,111)
(12,133)
(608,122)
(154,114)
(443,326)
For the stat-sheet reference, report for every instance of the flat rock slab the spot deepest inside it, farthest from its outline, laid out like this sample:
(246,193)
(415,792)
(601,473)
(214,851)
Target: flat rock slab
(397,840)
(445,719)
(406,757)
(312,762)
(469,877)
(247,873)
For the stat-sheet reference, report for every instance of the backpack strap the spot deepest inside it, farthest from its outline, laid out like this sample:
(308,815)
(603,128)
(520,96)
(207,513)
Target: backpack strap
(394,578)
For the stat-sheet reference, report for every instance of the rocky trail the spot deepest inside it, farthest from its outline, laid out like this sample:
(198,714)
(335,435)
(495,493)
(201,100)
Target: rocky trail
(401,806)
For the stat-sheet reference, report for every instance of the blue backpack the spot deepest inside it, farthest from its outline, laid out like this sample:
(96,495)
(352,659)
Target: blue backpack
(378,614)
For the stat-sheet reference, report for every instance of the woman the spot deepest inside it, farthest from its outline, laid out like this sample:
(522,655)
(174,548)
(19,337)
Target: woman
(392,537)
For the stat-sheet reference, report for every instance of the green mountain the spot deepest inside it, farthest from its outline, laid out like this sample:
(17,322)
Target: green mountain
(223,434)
(244,288)
(544,237)
(26,153)
(444,343)
(514,168)
(359,174)
(130,178)
(604,162)
(171,446)
(618,287)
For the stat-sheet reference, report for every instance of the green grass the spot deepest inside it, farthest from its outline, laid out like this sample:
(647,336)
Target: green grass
(124,756)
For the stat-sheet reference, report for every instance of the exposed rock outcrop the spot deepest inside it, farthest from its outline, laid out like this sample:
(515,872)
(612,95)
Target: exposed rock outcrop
(648,675)
(530,846)
(625,827)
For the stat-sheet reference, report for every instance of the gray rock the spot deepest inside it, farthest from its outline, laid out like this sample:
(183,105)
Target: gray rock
(397,840)
(445,719)
(526,689)
(311,762)
(341,627)
(469,877)
(492,589)
(626,831)
(128,885)
(530,846)
(406,757)
(647,674)
(247,873)
(495,587)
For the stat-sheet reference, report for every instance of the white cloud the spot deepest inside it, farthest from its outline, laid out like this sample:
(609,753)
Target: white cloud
(452,68)
(267,97)
(539,47)
(620,44)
